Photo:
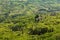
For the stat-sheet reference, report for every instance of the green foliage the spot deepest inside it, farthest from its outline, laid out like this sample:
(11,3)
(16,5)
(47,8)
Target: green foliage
(17,20)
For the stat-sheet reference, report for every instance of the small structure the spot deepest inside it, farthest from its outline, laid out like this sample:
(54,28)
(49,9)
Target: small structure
(37,18)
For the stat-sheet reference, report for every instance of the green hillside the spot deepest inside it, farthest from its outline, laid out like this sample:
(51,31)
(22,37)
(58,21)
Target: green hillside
(29,19)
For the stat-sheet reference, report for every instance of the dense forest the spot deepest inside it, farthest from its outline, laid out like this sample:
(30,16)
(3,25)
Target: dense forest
(29,19)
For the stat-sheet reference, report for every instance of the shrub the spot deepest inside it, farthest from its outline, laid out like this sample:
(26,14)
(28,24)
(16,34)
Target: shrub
(40,31)
(16,28)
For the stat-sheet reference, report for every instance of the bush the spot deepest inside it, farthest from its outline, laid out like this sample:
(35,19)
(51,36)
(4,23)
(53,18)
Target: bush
(16,28)
(40,31)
